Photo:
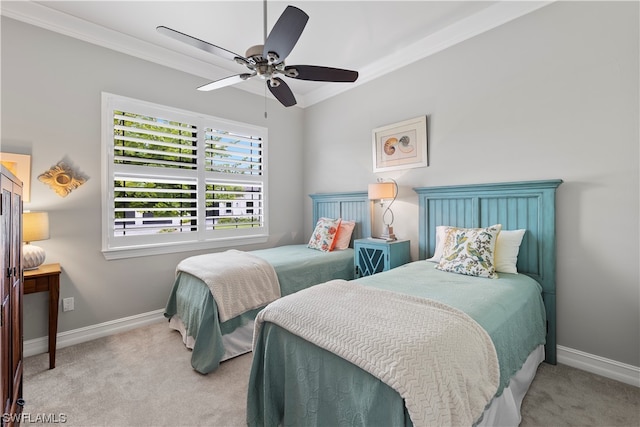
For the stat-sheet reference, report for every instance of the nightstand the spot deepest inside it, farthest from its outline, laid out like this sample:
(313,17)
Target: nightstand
(46,278)
(376,255)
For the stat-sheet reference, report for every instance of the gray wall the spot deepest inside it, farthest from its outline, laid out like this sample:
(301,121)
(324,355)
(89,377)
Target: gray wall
(51,88)
(553,94)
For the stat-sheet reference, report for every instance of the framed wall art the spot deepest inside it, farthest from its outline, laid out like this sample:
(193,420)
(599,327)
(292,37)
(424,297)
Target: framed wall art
(20,166)
(401,145)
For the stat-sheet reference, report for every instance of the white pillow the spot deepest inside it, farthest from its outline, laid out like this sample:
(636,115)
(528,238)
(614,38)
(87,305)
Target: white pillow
(507,248)
(437,254)
(343,238)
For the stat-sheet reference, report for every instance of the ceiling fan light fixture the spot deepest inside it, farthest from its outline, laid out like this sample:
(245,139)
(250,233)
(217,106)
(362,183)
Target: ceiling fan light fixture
(267,61)
(264,70)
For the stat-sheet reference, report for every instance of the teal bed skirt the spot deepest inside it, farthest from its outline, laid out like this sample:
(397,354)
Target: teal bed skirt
(296,266)
(294,382)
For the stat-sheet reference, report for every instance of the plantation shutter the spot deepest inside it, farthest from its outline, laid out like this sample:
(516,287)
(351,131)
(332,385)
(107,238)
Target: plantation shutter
(148,199)
(179,177)
(234,194)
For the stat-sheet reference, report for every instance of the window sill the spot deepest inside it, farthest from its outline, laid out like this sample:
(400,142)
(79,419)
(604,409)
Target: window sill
(169,248)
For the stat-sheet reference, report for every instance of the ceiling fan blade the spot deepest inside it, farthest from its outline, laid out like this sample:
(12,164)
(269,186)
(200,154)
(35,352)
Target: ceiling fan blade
(285,33)
(282,92)
(200,44)
(227,81)
(320,74)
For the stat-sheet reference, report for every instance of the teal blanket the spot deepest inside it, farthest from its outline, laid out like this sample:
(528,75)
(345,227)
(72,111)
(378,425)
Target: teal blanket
(320,388)
(296,266)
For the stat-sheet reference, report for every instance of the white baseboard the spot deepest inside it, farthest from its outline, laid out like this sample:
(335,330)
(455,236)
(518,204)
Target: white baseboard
(77,336)
(608,368)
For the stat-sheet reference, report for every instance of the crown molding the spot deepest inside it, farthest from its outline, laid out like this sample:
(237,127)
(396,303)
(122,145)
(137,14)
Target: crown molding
(485,20)
(53,20)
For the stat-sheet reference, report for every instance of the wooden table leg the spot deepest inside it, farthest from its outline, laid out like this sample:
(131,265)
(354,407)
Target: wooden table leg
(54,292)
(46,278)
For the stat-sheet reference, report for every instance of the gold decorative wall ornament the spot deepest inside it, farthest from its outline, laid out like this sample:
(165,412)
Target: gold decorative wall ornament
(62,179)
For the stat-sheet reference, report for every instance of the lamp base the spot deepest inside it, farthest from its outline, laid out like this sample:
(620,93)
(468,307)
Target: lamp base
(32,256)
(387,234)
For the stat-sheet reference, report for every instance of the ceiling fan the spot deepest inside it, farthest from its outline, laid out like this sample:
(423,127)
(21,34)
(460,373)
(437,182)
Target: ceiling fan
(267,61)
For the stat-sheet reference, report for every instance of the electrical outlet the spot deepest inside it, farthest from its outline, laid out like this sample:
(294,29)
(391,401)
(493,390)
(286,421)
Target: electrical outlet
(67,304)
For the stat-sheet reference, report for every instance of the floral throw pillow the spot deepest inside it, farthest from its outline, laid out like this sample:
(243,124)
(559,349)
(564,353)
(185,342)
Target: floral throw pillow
(470,251)
(323,237)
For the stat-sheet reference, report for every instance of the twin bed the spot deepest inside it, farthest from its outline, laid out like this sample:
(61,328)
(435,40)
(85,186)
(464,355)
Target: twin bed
(213,338)
(418,345)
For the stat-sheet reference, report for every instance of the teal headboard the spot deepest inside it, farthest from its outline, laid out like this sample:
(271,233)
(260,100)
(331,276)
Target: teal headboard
(353,206)
(516,205)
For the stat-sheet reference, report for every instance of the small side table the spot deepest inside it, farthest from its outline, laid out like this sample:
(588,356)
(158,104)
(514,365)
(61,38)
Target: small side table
(376,255)
(46,278)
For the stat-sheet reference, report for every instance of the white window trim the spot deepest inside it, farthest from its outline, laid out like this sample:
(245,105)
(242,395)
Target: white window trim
(202,240)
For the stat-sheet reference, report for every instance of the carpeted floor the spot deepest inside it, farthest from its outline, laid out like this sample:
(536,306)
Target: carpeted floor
(143,378)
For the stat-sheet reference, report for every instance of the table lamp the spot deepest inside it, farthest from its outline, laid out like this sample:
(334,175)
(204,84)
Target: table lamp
(35,226)
(381,191)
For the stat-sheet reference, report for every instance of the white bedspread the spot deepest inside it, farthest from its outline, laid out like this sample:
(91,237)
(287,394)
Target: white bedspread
(436,357)
(239,281)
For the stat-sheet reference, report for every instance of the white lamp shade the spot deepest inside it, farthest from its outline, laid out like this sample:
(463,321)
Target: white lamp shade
(382,191)
(35,226)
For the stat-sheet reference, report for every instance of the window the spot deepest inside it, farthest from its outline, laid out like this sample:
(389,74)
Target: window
(176,180)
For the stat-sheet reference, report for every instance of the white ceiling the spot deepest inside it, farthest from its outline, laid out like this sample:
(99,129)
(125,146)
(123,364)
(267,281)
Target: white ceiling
(371,37)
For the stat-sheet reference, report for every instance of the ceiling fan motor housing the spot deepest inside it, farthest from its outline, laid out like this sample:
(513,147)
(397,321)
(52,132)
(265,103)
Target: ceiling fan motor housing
(255,52)
(265,68)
